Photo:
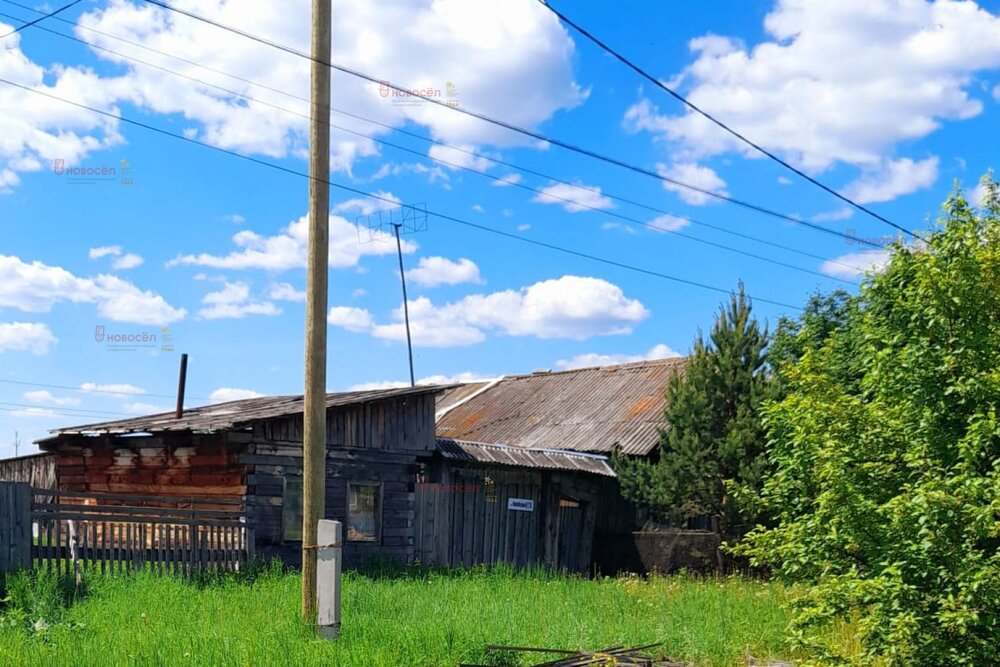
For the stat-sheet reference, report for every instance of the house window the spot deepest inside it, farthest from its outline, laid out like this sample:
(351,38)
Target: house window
(364,512)
(291,510)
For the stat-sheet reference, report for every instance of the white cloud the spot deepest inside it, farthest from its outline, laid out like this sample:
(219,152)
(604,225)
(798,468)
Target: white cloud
(122,389)
(352,319)
(26,336)
(224,394)
(368,205)
(608,226)
(696,175)
(434,271)
(127,261)
(508,180)
(286,292)
(588,360)
(996,93)
(359,292)
(855,264)
(459,378)
(236,219)
(46,397)
(569,307)
(459,156)
(511,59)
(233,302)
(833,216)
(38,130)
(523,228)
(894,178)
(287,249)
(104,251)
(478,208)
(34,412)
(121,261)
(573,198)
(36,287)
(784,180)
(911,67)
(139,408)
(668,223)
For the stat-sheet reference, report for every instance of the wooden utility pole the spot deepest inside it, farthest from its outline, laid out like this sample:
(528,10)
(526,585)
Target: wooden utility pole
(314,417)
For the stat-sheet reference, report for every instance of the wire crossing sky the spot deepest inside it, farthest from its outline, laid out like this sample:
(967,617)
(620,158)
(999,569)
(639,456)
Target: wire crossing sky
(579,215)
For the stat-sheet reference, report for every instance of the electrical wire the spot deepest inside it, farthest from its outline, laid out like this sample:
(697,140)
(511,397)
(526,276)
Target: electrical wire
(415,135)
(483,117)
(659,84)
(394,202)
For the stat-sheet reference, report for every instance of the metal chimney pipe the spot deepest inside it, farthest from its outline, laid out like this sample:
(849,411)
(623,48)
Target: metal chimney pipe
(182,380)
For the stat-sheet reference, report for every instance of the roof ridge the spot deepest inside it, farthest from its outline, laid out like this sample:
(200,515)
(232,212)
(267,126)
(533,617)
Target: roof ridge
(606,367)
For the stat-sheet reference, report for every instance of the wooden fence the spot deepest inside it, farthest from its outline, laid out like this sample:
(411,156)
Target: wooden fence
(105,532)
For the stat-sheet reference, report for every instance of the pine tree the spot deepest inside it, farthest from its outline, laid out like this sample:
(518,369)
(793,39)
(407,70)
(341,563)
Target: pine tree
(713,444)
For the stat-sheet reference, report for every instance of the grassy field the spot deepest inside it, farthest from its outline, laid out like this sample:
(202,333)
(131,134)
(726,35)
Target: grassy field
(391,619)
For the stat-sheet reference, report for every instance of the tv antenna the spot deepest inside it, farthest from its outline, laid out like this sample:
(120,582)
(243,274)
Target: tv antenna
(376,227)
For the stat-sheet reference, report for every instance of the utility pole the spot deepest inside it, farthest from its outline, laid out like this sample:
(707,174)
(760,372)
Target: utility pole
(314,409)
(406,305)
(17,443)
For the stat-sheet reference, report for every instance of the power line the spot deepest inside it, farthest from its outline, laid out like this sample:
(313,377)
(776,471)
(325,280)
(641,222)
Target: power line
(41,18)
(394,202)
(484,156)
(97,391)
(84,411)
(659,84)
(501,179)
(475,114)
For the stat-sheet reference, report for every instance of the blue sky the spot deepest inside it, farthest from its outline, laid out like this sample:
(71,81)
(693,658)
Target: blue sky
(890,102)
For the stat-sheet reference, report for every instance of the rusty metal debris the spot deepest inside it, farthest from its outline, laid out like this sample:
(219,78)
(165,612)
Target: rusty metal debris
(616,656)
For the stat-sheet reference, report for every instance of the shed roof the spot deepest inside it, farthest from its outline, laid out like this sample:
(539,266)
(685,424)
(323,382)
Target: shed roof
(586,410)
(234,414)
(553,459)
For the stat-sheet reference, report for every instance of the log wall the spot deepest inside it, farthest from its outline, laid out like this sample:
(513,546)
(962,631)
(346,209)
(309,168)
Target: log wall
(38,470)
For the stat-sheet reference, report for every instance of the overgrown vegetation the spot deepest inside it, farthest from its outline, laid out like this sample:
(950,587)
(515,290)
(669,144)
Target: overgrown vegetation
(887,455)
(398,617)
(712,458)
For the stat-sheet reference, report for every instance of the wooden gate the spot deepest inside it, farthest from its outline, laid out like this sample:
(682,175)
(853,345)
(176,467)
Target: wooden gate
(569,533)
(110,532)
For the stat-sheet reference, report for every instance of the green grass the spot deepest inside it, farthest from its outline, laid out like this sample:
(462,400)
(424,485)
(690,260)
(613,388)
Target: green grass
(396,619)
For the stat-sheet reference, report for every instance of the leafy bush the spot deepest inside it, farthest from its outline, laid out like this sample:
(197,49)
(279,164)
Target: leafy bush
(887,491)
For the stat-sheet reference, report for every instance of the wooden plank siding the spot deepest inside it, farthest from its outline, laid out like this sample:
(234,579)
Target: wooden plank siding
(38,470)
(375,442)
(464,519)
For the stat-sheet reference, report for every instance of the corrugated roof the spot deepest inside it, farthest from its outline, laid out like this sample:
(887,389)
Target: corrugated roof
(234,414)
(586,410)
(461,450)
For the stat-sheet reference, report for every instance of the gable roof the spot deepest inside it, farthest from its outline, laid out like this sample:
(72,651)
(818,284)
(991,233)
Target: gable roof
(585,410)
(234,414)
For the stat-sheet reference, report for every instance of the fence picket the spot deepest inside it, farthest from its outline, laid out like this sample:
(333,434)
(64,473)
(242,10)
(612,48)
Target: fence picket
(113,535)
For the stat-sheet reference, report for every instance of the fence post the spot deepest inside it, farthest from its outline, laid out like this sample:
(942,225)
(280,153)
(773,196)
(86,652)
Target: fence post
(328,556)
(15,526)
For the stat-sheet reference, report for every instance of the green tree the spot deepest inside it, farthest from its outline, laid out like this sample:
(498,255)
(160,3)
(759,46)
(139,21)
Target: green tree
(886,494)
(714,439)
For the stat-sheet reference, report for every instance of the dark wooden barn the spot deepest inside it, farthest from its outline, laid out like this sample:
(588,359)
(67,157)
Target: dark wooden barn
(521,473)
(251,450)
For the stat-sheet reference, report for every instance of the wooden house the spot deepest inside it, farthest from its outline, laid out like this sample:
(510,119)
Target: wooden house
(251,450)
(521,472)
(514,470)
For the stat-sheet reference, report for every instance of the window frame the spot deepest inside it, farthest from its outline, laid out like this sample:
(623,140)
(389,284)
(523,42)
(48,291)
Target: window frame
(297,537)
(378,514)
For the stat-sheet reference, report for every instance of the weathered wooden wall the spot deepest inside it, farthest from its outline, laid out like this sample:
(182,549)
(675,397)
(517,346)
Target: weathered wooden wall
(376,442)
(401,424)
(195,466)
(38,470)
(464,519)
